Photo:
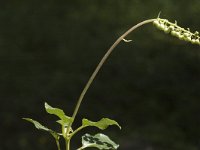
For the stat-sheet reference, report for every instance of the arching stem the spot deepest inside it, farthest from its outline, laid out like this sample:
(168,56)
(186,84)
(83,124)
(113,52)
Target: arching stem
(107,54)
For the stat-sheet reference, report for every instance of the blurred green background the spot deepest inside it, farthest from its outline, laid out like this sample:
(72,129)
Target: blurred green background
(151,86)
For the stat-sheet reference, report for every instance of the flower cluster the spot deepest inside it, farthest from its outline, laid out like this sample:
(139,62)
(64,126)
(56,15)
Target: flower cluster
(177,31)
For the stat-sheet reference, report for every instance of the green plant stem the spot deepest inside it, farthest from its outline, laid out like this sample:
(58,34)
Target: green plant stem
(100,65)
(58,144)
(67,144)
(77,130)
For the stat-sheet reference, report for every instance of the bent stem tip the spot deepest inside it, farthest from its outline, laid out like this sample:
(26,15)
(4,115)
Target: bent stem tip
(105,57)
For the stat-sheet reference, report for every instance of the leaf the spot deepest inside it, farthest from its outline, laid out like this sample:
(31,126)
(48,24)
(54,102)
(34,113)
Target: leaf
(101,124)
(37,124)
(58,112)
(41,127)
(61,122)
(99,141)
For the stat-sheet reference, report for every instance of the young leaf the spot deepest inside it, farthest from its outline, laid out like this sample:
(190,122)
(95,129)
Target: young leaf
(58,112)
(41,127)
(99,141)
(61,122)
(101,124)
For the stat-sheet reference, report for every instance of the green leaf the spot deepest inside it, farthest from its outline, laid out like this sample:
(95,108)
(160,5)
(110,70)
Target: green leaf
(58,112)
(61,122)
(41,127)
(101,124)
(37,124)
(99,141)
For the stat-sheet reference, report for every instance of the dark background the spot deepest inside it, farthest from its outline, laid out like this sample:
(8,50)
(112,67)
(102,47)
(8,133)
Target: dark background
(151,86)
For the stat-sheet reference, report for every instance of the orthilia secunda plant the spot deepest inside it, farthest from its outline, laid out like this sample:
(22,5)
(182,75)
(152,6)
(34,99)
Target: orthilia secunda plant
(101,141)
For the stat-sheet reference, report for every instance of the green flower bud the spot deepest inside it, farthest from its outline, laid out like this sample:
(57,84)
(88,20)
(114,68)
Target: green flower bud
(167,30)
(181,37)
(177,34)
(196,33)
(173,33)
(197,41)
(162,26)
(186,34)
(188,39)
(171,28)
(193,41)
(156,23)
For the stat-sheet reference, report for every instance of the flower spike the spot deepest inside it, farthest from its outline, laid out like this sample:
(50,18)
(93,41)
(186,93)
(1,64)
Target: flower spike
(177,31)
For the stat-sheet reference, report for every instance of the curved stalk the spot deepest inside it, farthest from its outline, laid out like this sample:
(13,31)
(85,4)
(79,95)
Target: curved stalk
(107,54)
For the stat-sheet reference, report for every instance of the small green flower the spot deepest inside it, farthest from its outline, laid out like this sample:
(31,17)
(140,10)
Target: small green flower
(177,31)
